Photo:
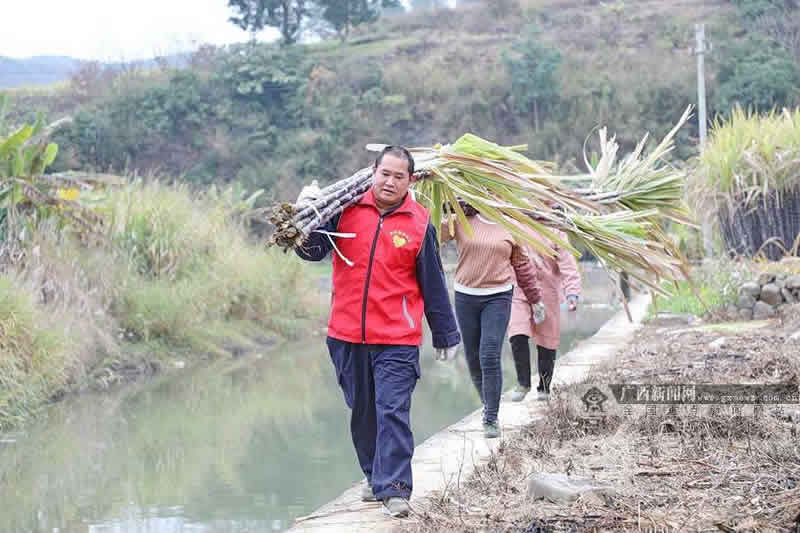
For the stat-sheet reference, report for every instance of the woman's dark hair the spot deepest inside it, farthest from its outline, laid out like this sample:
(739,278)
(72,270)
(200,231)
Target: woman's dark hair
(469,209)
(397,151)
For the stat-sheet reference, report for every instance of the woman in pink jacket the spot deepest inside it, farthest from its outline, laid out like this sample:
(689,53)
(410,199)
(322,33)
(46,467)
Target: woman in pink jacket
(558,276)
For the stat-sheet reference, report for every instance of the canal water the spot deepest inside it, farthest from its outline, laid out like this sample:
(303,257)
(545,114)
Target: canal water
(238,446)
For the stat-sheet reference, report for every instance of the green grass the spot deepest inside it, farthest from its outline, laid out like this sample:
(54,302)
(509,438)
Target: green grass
(378,46)
(684,300)
(34,354)
(194,266)
(717,284)
(177,274)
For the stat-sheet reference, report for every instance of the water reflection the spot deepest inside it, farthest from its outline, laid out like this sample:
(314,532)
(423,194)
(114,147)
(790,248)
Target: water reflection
(238,446)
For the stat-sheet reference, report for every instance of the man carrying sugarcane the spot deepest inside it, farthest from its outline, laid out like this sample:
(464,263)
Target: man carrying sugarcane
(386,273)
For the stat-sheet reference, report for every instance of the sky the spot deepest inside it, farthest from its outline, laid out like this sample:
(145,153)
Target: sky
(114,30)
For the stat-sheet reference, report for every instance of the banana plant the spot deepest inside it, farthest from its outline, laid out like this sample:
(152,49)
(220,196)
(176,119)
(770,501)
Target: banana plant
(25,154)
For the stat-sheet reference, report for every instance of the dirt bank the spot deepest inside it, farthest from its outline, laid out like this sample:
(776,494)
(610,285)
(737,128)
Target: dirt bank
(715,469)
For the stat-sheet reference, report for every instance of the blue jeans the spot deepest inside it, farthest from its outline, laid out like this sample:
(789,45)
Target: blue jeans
(377,382)
(483,321)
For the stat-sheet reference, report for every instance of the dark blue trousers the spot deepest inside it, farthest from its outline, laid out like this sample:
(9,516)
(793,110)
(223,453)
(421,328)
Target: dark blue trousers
(483,321)
(377,382)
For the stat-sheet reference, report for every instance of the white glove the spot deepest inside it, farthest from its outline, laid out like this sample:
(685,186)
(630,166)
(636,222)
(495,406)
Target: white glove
(309,193)
(538,312)
(572,302)
(446,354)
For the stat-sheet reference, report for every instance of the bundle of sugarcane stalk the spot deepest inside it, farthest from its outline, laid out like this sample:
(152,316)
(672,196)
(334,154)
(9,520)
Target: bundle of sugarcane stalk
(294,223)
(616,217)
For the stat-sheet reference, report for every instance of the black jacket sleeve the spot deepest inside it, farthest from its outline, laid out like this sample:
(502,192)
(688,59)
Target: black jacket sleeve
(317,246)
(430,277)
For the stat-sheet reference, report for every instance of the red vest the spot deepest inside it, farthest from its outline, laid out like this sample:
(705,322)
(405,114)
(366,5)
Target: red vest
(378,299)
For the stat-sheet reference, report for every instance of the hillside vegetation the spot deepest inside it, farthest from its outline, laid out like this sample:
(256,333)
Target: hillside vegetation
(542,72)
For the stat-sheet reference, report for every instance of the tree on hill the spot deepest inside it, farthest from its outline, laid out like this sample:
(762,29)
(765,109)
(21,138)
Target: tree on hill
(255,15)
(783,27)
(342,15)
(756,76)
(532,67)
(753,9)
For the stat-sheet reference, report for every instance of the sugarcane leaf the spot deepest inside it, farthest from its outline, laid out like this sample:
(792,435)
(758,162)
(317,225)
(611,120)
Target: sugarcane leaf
(474,145)
(543,230)
(449,216)
(462,218)
(615,215)
(436,208)
(497,216)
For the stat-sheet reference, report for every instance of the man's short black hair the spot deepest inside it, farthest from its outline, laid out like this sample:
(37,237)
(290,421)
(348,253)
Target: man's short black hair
(397,151)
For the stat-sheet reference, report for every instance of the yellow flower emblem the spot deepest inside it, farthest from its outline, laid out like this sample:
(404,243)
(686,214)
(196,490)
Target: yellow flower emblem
(399,239)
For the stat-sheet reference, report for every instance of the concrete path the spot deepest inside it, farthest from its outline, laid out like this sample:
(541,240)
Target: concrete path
(450,456)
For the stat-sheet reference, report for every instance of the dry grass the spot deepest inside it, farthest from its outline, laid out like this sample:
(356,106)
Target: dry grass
(788,265)
(703,472)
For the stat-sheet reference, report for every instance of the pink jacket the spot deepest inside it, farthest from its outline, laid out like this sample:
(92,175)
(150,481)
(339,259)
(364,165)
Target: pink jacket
(558,277)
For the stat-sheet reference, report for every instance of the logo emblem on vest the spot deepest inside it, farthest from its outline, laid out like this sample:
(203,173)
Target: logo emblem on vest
(399,238)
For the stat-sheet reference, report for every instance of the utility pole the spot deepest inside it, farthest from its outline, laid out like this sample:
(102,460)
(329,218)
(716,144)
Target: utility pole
(700,50)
